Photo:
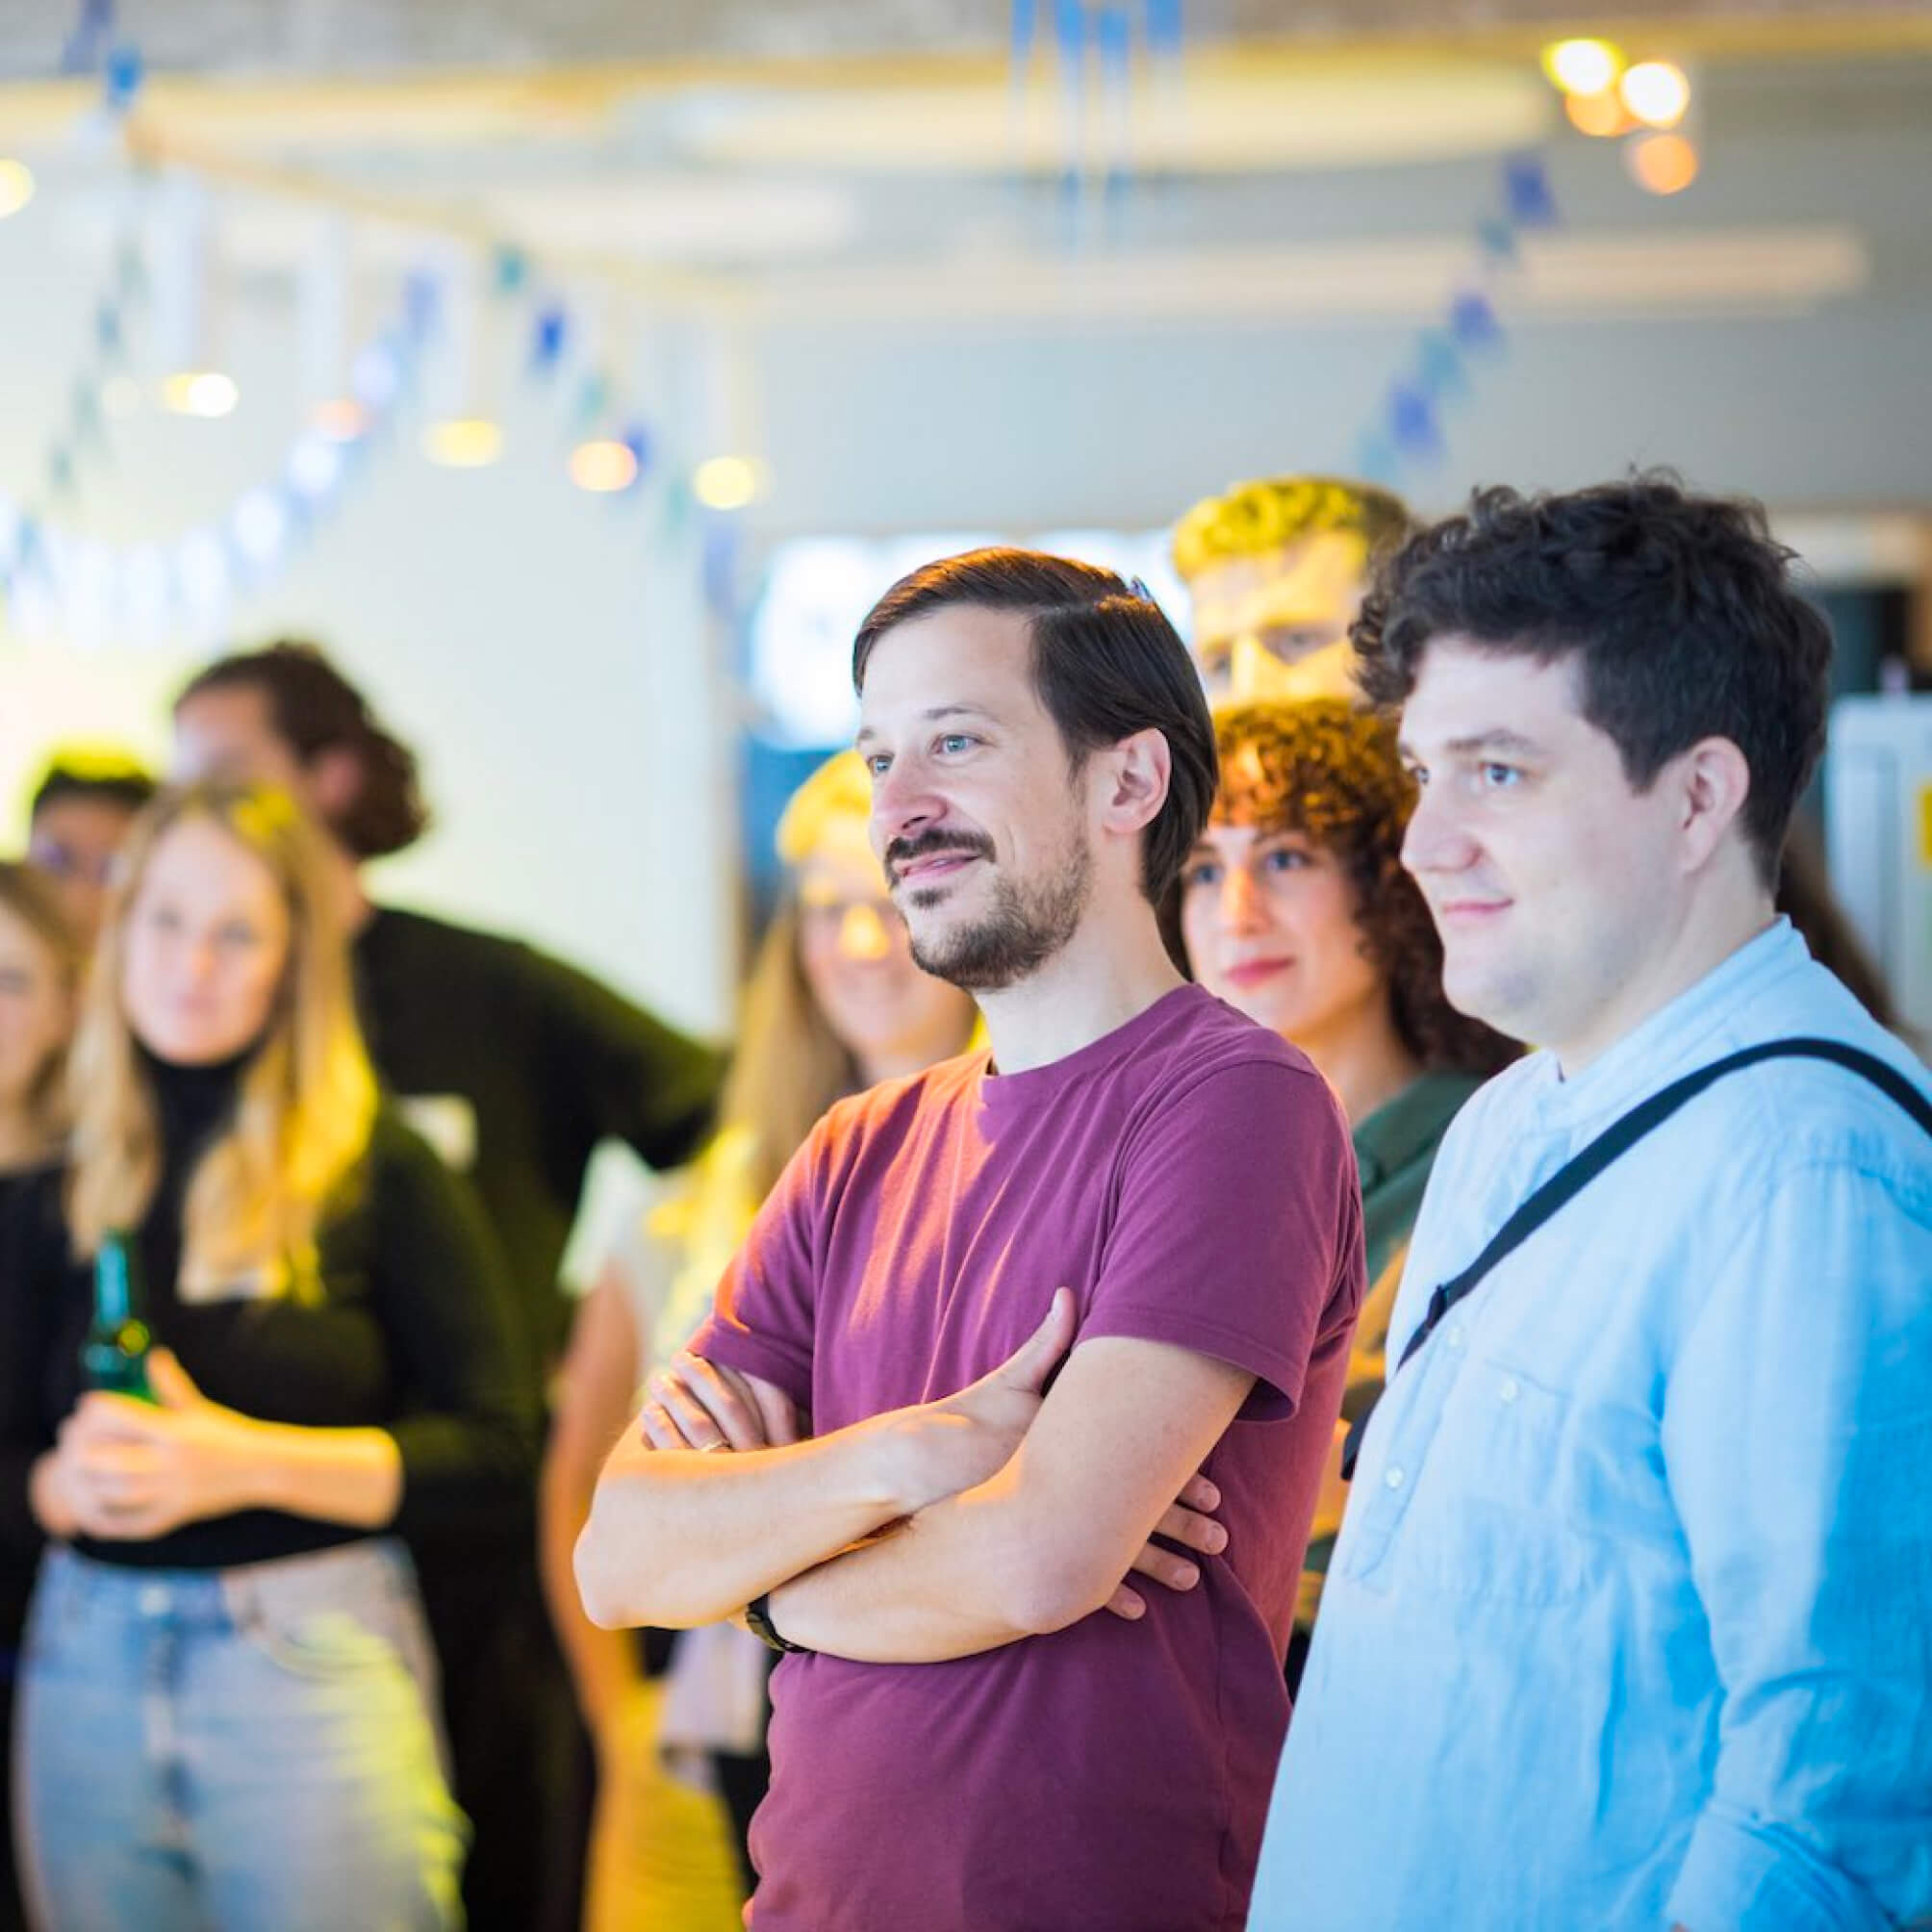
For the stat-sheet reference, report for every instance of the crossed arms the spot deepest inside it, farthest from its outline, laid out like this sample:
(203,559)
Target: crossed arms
(1005,1515)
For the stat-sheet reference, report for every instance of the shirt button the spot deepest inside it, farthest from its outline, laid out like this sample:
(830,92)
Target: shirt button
(1511,1388)
(153,1599)
(1454,1336)
(1394,1476)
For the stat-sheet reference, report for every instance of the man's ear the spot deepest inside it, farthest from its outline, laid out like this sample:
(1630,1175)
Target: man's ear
(335,783)
(1712,782)
(1138,771)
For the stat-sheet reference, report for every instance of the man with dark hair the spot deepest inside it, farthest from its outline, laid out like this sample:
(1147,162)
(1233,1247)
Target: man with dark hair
(77,822)
(1627,1621)
(1275,570)
(985,1717)
(515,1066)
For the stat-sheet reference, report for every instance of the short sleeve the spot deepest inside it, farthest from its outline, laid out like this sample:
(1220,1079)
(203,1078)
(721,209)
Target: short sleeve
(1239,1232)
(764,1319)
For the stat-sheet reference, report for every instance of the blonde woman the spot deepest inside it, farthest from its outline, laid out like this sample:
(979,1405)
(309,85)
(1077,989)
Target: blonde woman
(833,1004)
(226,1693)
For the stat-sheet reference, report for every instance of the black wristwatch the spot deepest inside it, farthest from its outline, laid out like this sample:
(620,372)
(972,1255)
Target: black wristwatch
(758,1621)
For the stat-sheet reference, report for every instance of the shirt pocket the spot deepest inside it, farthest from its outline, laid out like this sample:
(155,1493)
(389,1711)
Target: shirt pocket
(1491,1515)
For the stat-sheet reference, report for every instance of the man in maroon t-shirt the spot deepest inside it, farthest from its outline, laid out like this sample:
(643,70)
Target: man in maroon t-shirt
(935,1502)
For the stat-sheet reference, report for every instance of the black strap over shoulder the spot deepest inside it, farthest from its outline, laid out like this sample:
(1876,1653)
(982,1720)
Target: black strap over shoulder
(1616,1140)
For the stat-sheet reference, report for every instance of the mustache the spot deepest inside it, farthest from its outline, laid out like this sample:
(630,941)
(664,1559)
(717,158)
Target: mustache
(902,852)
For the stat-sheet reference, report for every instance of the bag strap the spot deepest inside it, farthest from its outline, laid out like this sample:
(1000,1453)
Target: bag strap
(1616,1141)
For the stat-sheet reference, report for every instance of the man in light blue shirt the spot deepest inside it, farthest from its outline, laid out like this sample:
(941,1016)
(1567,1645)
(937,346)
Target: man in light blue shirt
(1630,1621)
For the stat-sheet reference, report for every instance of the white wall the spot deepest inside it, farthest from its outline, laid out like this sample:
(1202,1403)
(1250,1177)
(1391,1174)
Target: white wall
(546,651)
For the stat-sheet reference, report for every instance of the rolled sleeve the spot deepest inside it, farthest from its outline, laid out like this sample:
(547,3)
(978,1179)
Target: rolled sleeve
(1742,1876)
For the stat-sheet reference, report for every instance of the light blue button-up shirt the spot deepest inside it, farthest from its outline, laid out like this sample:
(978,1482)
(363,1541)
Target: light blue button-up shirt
(1630,1621)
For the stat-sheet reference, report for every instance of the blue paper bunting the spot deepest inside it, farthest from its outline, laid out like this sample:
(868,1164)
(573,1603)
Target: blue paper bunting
(122,78)
(1411,420)
(1472,320)
(1526,185)
(552,331)
(1438,365)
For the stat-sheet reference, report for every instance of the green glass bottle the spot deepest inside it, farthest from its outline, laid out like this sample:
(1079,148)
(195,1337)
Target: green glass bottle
(114,1354)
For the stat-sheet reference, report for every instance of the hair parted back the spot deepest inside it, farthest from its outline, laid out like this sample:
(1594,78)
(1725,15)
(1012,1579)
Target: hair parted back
(307,1098)
(32,902)
(1105,662)
(1252,520)
(1326,768)
(314,710)
(1679,610)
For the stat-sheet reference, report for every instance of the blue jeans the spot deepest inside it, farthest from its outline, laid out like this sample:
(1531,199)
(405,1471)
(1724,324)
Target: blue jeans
(250,1750)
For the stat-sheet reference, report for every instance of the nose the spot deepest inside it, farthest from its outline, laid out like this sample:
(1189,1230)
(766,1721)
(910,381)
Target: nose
(1435,840)
(902,802)
(862,933)
(1240,901)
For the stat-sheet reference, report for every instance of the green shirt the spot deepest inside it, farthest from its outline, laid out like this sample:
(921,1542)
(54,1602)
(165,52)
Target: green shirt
(1394,1149)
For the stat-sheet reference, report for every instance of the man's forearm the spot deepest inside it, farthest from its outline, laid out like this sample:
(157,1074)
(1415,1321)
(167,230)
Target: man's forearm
(961,1577)
(678,1537)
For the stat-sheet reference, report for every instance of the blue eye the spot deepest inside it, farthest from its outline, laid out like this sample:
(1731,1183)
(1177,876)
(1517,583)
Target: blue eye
(878,764)
(1286,858)
(1418,775)
(954,742)
(1206,873)
(1500,777)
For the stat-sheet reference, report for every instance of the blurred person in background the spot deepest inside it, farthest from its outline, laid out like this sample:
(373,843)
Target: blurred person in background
(226,1711)
(514,1066)
(39,982)
(833,1004)
(1276,571)
(82,808)
(1295,909)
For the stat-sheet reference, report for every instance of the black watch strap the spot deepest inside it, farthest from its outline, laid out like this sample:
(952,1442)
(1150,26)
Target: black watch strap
(758,1621)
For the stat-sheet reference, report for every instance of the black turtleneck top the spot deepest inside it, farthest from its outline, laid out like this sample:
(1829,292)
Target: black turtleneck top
(414,1333)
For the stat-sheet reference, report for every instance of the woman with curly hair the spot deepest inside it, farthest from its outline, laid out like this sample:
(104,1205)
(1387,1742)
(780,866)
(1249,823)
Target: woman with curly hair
(1295,909)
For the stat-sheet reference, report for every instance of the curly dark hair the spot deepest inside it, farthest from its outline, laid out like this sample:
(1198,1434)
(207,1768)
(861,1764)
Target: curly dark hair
(1331,772)
(315,708)
(1680,608)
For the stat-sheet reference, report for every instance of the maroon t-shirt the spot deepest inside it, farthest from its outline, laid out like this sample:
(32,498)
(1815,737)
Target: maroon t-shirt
(1191,1179)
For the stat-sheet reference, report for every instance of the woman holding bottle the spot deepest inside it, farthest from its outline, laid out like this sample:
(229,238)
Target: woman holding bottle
(226,1695)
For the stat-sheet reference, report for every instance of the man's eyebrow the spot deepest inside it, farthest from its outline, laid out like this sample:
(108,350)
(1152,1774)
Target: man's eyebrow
(1477,744)
(938,715)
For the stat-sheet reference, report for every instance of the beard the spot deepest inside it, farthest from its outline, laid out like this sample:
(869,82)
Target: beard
(1029,921)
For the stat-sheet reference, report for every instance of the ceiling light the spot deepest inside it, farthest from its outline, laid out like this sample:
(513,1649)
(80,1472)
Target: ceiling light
(1665,163)
(200,391)
(604,466)
(1597,114)
(463,443)
(727,482)
(17,187)
(1583,66)
(1656,92)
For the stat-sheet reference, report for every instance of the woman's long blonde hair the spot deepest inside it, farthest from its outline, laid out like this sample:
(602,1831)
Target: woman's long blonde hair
(307,1098)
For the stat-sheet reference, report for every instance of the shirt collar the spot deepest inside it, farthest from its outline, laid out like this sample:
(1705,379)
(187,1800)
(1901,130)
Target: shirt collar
(1401,1128)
